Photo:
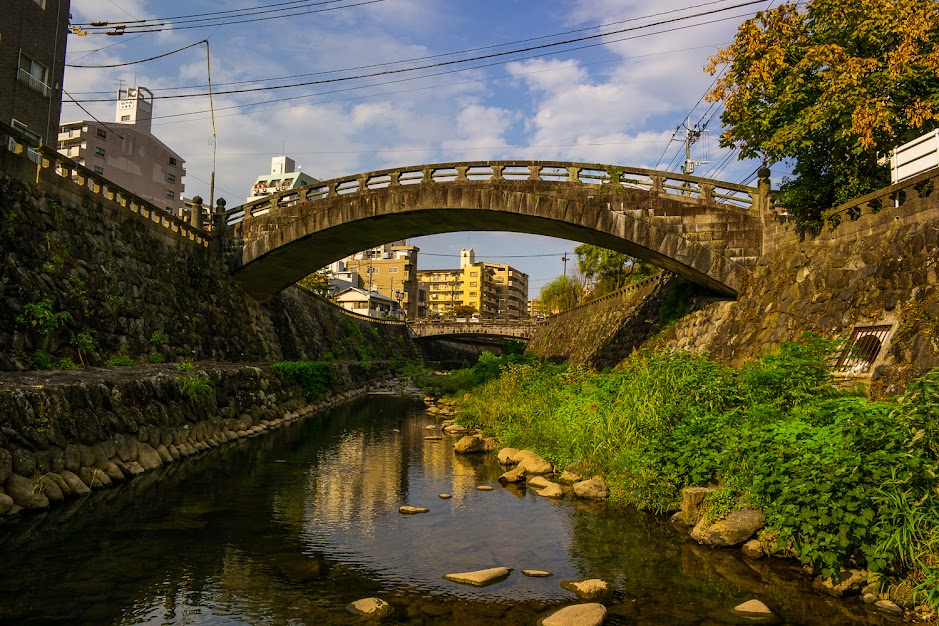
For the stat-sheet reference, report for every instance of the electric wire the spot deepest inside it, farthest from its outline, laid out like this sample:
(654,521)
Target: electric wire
(476,58)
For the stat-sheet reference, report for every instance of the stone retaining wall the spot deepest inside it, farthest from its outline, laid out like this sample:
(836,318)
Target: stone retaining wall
(882,269)
(62,436)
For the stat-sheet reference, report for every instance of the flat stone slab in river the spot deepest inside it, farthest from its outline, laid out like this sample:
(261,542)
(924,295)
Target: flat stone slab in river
(536,573)
(590,614)
(373,607)
(591,590)
(483,488)
(412,510)
(480,578)
(445,496)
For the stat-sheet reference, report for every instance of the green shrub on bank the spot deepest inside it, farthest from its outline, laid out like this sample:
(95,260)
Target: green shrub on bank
(314,377)
(842,481)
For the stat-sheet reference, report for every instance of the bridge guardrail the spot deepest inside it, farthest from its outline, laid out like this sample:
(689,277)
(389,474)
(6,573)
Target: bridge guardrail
(622,177)
(639,284)
(46,158)
(896,195)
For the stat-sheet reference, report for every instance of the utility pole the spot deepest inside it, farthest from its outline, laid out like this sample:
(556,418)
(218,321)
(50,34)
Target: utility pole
(565,259)
(692,135)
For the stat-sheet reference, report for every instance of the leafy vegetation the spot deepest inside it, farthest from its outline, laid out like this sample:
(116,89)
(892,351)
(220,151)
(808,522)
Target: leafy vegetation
(195,387)
(41,318)
(606,271)
(842,481)
(562,293)
(832,85)
(314,377)
(120,359)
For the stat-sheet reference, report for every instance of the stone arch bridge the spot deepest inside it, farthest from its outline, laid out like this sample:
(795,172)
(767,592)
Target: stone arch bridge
(705,230)
(520,329)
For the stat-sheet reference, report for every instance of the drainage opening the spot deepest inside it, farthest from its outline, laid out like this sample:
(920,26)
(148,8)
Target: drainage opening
(863,348)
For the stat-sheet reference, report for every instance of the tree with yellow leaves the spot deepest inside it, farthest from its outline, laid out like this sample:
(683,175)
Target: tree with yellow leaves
(832,85)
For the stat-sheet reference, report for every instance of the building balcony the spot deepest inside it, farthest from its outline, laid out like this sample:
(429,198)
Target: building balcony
(32,82)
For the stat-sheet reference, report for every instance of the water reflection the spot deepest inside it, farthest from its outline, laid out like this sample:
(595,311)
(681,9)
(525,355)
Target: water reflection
(289,528)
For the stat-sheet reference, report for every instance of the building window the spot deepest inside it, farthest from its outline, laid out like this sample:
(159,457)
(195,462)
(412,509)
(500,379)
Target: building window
(102,133)
(125,118)
(99,151)
(99,169)
(472,293)
(473,284)
(474,274)
(392,270)
(170,193)
(171,178)
(172,161)
(33,74)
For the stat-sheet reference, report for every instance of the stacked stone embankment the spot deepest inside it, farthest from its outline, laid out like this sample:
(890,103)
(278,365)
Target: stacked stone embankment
(62,437)
(122,285)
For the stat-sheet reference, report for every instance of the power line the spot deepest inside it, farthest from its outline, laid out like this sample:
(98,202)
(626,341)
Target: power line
(180,17)
(476,58)
(433,56)
(159,56)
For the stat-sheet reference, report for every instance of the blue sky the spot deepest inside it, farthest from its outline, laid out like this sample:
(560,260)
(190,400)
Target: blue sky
(618,99)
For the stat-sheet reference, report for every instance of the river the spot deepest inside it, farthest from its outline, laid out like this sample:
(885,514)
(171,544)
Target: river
(290,527)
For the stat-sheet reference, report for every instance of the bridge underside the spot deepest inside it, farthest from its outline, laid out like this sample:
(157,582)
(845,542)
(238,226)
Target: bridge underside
(692,240)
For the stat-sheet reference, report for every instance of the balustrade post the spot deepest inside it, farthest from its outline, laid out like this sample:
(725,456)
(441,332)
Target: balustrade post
(334,190)
(363,183)
(428,175)
(461,172)
(394,179)
(497,172)
(658,183)
(534,172)
(195,212)
(573,174)
(707,193)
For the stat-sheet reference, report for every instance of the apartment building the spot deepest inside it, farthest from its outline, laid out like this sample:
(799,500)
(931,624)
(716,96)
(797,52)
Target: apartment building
(32,62)
(127,153)
(391,270)
(494,290)
(284,175)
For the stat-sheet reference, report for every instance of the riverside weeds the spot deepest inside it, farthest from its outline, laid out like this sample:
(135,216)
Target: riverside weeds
(843,481)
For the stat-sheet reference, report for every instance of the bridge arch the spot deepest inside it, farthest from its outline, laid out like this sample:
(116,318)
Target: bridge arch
(705,230)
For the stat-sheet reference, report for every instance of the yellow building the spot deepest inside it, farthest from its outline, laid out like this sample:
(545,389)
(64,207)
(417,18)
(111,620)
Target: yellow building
(492,290)
(391,270)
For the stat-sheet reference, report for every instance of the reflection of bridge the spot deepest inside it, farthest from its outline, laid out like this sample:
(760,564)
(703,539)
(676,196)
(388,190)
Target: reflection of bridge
(516,329)
(705,230)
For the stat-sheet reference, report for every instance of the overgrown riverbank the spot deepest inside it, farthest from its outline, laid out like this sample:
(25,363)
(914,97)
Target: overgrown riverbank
(843,482)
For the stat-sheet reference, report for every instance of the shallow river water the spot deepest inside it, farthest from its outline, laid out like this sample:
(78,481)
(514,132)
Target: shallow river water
(290,527)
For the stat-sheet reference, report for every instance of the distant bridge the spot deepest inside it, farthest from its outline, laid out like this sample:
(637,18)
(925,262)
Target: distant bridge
(511,329)
(705,230)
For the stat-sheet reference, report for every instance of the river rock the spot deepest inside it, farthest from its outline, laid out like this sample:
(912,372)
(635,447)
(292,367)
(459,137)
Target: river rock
(551,490)
(846,582)
(6,503)
(51,489)
(591,590)
(505,456)
(888,607)
(474,444)
(63,486)
(534,464)
(75,484)
(113,471)
(516,475)
(25,492)
(444,496)
(134,468)
(733,530)
(536,573)
(371,607)
(430,427)
(520,455)
(483,488)
(569,478)
(412,510)
(752,608)
(164,453)
(454,429)
(590,614)
(593,489)
(752,549)
(480,578)
(692,504)
(539,482)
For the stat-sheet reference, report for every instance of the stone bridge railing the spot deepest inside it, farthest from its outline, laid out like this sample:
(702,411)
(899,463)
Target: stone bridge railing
(920,186)
(645,283)
(70,173)
(680,186)
(521,329)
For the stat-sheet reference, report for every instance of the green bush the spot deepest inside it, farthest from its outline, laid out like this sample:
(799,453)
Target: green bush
(314,377)
(120,359)
(196,388)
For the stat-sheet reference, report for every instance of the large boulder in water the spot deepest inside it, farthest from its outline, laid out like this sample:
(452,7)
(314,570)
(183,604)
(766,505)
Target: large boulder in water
(472,444)
(731,531)
(593,489)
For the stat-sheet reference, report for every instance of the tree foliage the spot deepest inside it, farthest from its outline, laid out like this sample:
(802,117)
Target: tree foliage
(317,282)
(833,85)
(560,294)
(605,270)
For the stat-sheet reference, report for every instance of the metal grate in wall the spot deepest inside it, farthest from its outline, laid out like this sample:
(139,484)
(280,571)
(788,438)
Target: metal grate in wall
(863,349)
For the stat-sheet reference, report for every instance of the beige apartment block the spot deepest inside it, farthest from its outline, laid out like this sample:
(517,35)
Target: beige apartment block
(494,290)
(391,270)
(127,153)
